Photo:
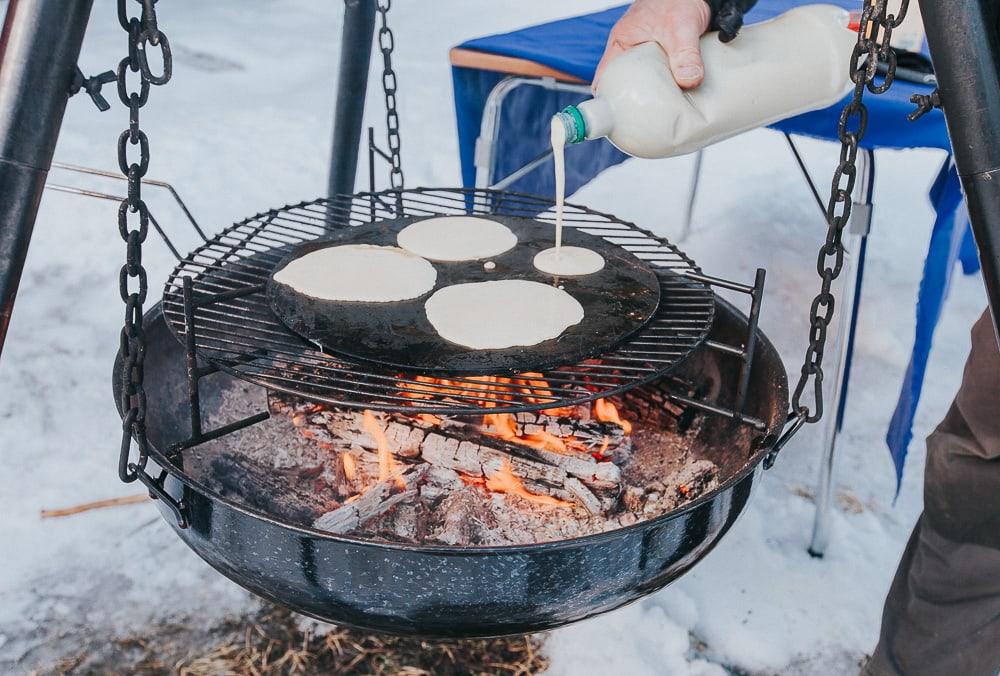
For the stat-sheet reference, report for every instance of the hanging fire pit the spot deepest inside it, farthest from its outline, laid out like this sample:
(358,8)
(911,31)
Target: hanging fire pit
(450,505)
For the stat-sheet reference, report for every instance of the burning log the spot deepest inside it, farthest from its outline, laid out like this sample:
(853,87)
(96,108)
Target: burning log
(375,501)
(484,462)
(473,451)
(409,438)
(494,479)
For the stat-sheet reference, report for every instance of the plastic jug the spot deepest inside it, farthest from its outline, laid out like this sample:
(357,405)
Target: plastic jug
(794,63)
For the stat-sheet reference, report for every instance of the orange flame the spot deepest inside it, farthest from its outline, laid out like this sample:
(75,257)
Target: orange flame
(387,467)
(506,428)
(491,388)
(350,466)
(605,411)
(505,481)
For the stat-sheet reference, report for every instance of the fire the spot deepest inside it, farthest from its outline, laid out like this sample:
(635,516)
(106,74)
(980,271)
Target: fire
(350,466)
(505,427)
(505,481)
(599,453)
(497,389)
(387,467)
(491,388)
(605,411)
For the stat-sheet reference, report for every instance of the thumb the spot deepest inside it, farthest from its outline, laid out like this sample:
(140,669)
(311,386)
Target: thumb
(684,53)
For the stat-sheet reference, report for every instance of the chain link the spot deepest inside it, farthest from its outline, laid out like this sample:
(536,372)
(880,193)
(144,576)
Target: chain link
(386,43)
(133,226)
(874,34)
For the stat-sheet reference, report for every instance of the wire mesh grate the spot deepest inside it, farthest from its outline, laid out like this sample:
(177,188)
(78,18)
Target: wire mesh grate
(236,331)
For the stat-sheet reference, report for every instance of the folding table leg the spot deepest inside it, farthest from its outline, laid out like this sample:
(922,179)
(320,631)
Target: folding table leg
(853,273)
(489,129)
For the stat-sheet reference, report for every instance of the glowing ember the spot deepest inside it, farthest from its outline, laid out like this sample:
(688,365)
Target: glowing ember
(387,467)
(505,481)
(599,453)
(605,411)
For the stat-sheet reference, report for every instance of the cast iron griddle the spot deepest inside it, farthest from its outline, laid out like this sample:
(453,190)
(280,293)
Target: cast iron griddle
(617,302)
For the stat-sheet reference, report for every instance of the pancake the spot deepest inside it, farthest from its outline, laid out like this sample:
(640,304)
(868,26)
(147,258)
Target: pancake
(569,261)
(456,238)
(359,273)
(501,314)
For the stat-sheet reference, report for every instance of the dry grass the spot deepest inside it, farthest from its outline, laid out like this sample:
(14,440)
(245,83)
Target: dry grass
(275,644)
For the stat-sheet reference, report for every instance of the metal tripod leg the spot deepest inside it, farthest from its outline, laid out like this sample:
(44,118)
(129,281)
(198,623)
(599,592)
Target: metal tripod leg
(39,48)
(352,85)
(853,273)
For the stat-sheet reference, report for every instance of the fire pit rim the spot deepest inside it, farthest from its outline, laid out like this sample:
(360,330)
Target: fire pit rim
(771,435)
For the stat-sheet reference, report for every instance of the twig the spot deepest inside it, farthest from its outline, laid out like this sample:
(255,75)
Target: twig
(99,504)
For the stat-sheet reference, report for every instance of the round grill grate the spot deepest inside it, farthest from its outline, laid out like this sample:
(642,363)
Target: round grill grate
(236,331)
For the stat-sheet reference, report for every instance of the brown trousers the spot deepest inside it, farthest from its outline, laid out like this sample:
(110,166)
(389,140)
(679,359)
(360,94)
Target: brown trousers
(942,614)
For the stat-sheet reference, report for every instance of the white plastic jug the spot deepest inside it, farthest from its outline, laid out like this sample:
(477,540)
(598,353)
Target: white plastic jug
(775,69)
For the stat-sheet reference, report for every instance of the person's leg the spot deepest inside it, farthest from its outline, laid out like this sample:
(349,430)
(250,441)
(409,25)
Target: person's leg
(942,614)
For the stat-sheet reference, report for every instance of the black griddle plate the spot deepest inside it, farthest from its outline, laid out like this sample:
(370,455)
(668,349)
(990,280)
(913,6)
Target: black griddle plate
(617,302)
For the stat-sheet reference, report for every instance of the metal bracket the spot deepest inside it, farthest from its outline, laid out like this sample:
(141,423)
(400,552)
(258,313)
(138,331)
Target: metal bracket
(925,103)
(158,491)
(745,352)
(196,372)
(92,85)
(118,198)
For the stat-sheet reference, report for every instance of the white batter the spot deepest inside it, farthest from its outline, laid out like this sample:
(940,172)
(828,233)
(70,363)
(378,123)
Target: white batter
(456,238)
(557,135)
(501,314)
(361,273)
(569,261)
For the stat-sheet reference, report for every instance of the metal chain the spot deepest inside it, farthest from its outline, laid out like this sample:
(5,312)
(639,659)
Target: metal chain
(133,225)
(386,43)
(874,35)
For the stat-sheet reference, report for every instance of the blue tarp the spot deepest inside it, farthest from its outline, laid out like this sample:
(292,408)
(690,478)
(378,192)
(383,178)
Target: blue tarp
(574,46)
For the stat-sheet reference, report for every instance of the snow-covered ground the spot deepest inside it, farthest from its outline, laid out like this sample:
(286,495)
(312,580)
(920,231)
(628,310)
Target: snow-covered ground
(245,126)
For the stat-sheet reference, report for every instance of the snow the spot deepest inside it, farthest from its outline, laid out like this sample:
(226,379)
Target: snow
(245,126)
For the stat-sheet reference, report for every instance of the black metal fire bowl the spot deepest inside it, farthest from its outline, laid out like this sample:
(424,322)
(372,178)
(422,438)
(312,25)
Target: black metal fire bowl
(458,592)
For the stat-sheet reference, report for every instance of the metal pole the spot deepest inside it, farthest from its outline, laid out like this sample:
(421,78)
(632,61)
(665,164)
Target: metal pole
(39,47)
(854,266)
(965,47)
(352,85)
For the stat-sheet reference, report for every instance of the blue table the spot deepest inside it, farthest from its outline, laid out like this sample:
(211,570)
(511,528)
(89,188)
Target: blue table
(572,47)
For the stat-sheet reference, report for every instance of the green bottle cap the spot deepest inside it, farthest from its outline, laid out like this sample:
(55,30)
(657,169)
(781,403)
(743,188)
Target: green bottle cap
(579,126)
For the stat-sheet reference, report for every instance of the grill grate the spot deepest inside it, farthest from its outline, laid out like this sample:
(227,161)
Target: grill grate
(219,290)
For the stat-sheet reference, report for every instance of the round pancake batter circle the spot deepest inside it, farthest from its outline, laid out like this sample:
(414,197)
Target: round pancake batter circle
(359,273)
(456,238)
(569,261)
(531,312)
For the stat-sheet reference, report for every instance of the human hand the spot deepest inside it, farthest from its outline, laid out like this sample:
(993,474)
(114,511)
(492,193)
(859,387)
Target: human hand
(676,25)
